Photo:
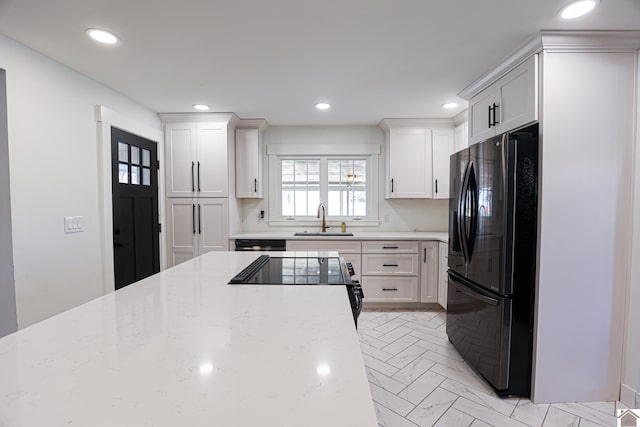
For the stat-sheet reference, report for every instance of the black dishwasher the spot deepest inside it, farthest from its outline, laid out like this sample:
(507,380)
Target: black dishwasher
(261,245)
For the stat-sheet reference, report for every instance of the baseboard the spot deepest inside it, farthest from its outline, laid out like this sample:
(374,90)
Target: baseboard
(400,306)
(629,396)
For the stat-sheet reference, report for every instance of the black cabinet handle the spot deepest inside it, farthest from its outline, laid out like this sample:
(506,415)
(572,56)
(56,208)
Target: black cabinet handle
(436,186)
(193,185)
(495,107)
(389,247)
(255,185)
(198,177)
(193,217)
(425,255)
(392,185)
(490,115)
(199,220)
(390,265)
(390,289)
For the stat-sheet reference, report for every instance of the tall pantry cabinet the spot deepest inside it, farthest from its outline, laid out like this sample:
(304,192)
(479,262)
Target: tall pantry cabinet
(201,207)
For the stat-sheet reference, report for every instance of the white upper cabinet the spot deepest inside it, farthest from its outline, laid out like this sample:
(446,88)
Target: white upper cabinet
(460,137)
(249,163)
(417,158)
(442,149)
(509,103)
(409,163)
(196,155)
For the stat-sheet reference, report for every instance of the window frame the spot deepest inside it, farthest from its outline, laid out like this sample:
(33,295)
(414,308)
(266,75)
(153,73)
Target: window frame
(368,152)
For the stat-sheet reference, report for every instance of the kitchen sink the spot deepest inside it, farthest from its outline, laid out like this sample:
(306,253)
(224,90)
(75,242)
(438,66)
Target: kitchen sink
(320,234)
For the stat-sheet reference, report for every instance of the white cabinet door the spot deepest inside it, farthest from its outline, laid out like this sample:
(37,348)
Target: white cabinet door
(390,289)
(196,160)
(429,264)
(212,227)
(409,168)
(180,140)
(195,226)
(442,149)
(443,278)
(480,118)
(518,93)
(181,230)
(248,164)
(212,161)
(460,137)
(509,103)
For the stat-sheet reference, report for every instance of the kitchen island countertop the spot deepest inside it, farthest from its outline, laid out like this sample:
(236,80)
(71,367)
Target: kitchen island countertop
(183,348)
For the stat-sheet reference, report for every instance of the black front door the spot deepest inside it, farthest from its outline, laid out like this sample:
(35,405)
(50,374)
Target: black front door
(136,250)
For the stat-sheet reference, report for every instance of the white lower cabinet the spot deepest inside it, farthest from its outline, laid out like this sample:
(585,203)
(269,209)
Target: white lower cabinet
(443,278)
(390,289)
(349,250)
(196,226)
(390,271)
(429,268)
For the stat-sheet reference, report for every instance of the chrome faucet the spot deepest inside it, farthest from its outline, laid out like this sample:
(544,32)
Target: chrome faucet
(324,222)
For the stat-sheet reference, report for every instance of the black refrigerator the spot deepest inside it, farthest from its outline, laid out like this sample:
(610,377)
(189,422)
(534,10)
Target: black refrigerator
(492,258)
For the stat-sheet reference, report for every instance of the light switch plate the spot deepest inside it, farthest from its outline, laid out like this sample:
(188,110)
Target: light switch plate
(73,224)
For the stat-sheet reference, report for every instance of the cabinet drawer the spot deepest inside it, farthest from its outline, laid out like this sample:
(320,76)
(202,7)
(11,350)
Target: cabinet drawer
(390,264)
(379,288)
(391,247)
(342,246)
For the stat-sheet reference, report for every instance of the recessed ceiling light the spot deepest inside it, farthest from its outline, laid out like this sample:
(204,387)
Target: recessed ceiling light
(201,107)
(450,105)
(577,9)
(323,106)
(102,36)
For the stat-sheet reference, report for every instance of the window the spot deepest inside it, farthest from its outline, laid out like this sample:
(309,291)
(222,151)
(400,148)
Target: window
(130,169)
(339,182)
(342,176)
(347,187)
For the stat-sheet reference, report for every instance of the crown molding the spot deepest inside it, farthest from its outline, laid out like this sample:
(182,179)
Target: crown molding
(227,118)
(260,124)
(387,124)
(557,41)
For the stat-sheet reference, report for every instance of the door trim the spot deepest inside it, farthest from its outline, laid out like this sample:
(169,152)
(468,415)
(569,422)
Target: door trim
(105,119)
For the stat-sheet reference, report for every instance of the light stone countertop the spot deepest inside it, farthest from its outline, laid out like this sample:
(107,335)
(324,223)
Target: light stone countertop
(441,236)
(183,348)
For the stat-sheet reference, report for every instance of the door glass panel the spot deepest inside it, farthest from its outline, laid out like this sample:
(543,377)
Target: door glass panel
(123,173)
(135,175)
(146,176)
(146,156)
(123,152)
(135,155)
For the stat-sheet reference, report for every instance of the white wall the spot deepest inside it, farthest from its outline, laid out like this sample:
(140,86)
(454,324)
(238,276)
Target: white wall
(8,322)
(53,155)
(630,392)
(402,215)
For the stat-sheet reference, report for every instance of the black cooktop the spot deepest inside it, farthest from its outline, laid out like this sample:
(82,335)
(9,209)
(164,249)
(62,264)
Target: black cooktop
(294,271)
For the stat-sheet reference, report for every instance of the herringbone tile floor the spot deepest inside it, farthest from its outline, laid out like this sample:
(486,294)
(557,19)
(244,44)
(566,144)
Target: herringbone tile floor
(418,379)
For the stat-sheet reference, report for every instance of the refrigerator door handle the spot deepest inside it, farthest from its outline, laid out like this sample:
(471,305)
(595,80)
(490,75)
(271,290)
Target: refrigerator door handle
(472,188)
(469,290)
(460,219)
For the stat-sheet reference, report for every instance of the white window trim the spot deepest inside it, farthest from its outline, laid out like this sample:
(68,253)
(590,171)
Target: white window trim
(371,152)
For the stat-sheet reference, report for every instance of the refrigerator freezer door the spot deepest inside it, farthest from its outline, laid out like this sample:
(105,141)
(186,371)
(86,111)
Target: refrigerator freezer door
(459,163)
(479,326)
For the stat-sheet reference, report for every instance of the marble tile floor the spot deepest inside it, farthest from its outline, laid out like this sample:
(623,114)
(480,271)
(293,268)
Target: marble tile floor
(418,379)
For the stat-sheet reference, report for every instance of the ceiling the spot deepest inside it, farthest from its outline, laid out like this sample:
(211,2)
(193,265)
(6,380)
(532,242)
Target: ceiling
(371,59)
